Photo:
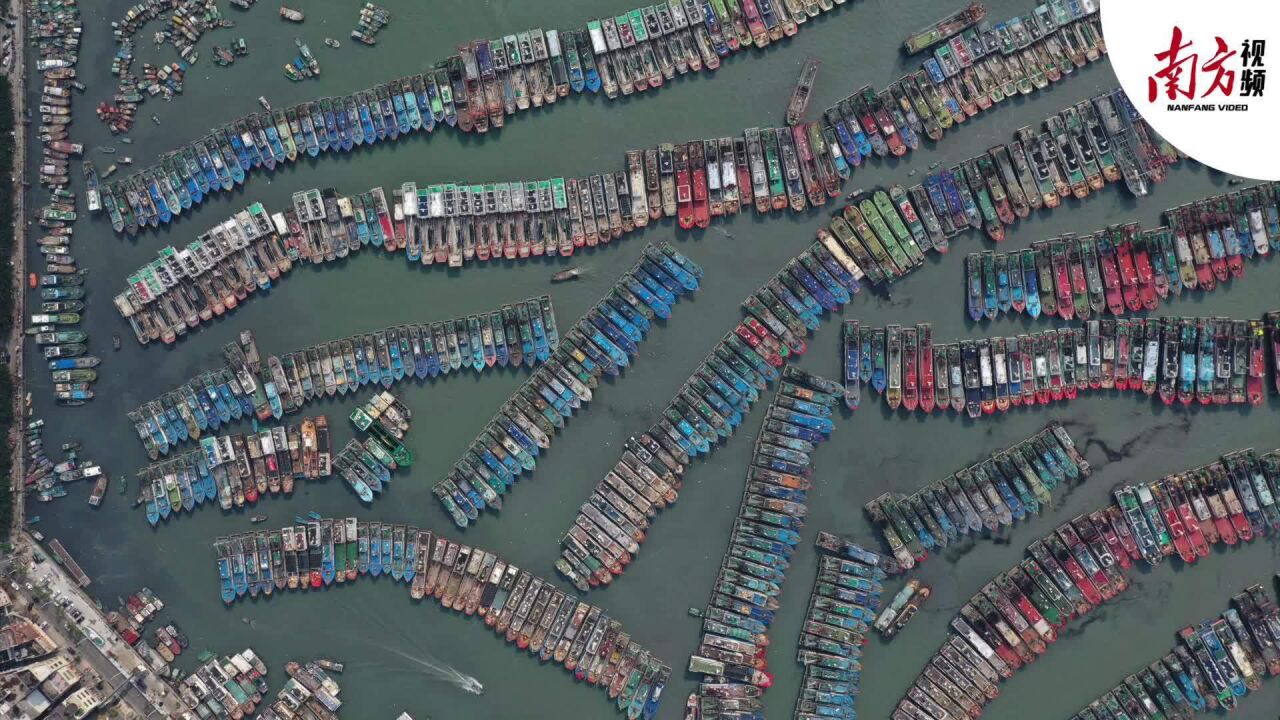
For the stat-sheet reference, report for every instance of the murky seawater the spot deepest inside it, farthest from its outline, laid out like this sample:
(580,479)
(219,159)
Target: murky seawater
(374,627)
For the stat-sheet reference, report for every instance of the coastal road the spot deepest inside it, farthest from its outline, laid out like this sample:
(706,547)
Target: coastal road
(13,343)
(113,657)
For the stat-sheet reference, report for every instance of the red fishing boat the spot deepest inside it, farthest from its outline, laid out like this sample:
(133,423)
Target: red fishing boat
(1078,575)
(1199,544)
(1142,266)
(1122,382)
(1124,533)
(1062,280)
(1257,362)
(926,368)
(910,370)
(1128,272)
(684,191)
(1108,533)
(1173,520)
(701,207)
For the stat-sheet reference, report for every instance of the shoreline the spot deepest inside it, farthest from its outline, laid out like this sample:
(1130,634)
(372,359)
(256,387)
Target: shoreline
(13,341)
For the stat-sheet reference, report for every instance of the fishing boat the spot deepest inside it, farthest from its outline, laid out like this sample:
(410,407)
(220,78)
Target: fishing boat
(803,91)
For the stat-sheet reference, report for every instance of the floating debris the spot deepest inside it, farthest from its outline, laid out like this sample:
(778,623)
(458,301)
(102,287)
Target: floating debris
(1014,618)
(1009,486)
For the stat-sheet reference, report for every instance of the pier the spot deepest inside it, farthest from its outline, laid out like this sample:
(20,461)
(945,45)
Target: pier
(64,558)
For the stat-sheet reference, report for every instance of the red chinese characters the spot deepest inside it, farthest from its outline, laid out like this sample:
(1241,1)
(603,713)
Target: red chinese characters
(1178,75)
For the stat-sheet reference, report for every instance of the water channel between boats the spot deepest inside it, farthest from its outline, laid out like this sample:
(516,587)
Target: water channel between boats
(367,625)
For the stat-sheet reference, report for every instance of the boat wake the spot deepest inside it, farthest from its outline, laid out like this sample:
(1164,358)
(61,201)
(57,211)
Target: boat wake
(426,664)
(437,670)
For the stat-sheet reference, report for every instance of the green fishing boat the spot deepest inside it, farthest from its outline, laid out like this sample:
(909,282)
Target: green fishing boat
(903,236)
(872,216)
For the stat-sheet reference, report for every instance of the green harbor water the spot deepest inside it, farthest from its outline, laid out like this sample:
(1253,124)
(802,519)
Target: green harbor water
(372,625)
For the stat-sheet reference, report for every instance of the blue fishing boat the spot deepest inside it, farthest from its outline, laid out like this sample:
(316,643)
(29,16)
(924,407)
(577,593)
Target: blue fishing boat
(316,114)
(229,158)
(263,143)
(627,327)
(161,496)
(185,492)
(389,119)
(194,170)
(219,165)
(399,110)
(239,578)
(227,583)
(417,86)
(162,209)
(1030,284)
(152,509)
(237,146)
(644,278)
(206,479)
(331,126)
(309,133)
(397,554)
(380,128)
(221,409)
(187,187)
(354,127)
(212,178)
(343,122)
(410,103)
(198,494)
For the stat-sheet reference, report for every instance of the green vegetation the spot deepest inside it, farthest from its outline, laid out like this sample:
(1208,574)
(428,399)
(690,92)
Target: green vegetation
(6,293)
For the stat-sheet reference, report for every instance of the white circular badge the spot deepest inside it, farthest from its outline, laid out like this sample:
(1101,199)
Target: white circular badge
(1198,73)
